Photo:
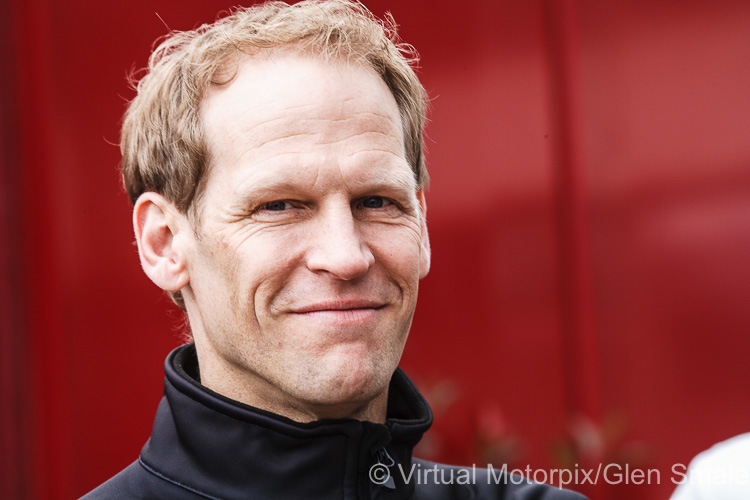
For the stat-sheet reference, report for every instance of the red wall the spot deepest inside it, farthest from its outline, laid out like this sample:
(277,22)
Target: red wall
(589,214)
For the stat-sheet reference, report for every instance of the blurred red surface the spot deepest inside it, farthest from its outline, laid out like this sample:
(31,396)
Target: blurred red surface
(589,215)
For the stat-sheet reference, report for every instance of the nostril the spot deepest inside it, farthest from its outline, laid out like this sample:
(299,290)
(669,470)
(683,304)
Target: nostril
(339,248)
(344,263)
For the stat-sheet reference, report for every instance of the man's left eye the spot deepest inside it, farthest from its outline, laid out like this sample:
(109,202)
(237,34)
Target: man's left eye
(374,202)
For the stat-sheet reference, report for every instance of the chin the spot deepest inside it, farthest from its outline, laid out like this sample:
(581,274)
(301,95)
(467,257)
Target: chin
(350,379)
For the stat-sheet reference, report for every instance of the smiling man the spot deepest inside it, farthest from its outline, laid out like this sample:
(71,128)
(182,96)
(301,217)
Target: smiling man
(275,163)
(299,271)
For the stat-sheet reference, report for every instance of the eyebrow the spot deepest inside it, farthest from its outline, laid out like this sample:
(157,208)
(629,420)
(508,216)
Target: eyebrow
(265,188)
(261,187)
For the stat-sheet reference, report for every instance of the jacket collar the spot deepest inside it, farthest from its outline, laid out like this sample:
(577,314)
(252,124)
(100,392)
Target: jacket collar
(220,448)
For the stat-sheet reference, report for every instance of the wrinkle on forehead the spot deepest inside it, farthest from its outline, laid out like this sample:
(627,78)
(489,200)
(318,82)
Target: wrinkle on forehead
(298,150)
(322,127)
(287,128)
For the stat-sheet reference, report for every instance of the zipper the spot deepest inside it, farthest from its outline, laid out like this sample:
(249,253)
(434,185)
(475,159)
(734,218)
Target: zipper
(385,462)
(380,473)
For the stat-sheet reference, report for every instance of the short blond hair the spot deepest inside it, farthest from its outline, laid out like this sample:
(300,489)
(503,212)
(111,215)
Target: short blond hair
(162,141)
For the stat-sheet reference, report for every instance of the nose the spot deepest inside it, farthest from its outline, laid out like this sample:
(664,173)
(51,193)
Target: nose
(337,246)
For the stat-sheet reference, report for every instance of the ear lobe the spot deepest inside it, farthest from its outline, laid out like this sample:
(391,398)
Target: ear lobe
(425,253)
(155,225)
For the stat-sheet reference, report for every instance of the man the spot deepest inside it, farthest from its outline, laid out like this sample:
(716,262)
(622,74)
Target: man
(275,163)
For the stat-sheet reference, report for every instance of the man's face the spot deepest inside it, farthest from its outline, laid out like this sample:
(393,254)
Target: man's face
(304,270)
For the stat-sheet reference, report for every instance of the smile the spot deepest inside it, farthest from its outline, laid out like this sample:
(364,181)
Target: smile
(342,312)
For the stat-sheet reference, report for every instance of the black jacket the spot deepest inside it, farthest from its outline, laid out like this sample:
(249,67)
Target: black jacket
(205,445)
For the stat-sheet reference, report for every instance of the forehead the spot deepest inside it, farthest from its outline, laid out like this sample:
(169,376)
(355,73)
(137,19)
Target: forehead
(290,114)
(280,94)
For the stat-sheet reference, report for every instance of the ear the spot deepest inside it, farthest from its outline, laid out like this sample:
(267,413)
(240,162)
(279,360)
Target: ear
(425,253)
(157,222)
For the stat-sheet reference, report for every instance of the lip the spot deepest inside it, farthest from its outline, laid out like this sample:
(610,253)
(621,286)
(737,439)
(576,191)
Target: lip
(340,306)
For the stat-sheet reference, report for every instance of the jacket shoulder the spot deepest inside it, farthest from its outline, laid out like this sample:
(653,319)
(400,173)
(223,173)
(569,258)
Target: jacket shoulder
(135,482)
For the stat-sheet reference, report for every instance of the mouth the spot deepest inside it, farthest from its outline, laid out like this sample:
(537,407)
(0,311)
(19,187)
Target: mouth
(339,305)
(341,311)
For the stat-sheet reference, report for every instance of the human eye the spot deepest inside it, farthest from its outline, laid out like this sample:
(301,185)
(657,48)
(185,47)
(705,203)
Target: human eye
(375,202)
(276,206)
(278,210)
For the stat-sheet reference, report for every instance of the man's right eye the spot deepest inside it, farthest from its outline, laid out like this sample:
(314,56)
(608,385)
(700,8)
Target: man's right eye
(277,206)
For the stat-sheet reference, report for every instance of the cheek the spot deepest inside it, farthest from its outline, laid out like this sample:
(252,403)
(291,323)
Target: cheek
(399,252)
(258,253)
(396,239)
(262,266)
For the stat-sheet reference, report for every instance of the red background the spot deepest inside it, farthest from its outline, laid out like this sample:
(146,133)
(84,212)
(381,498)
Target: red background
(589,214)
